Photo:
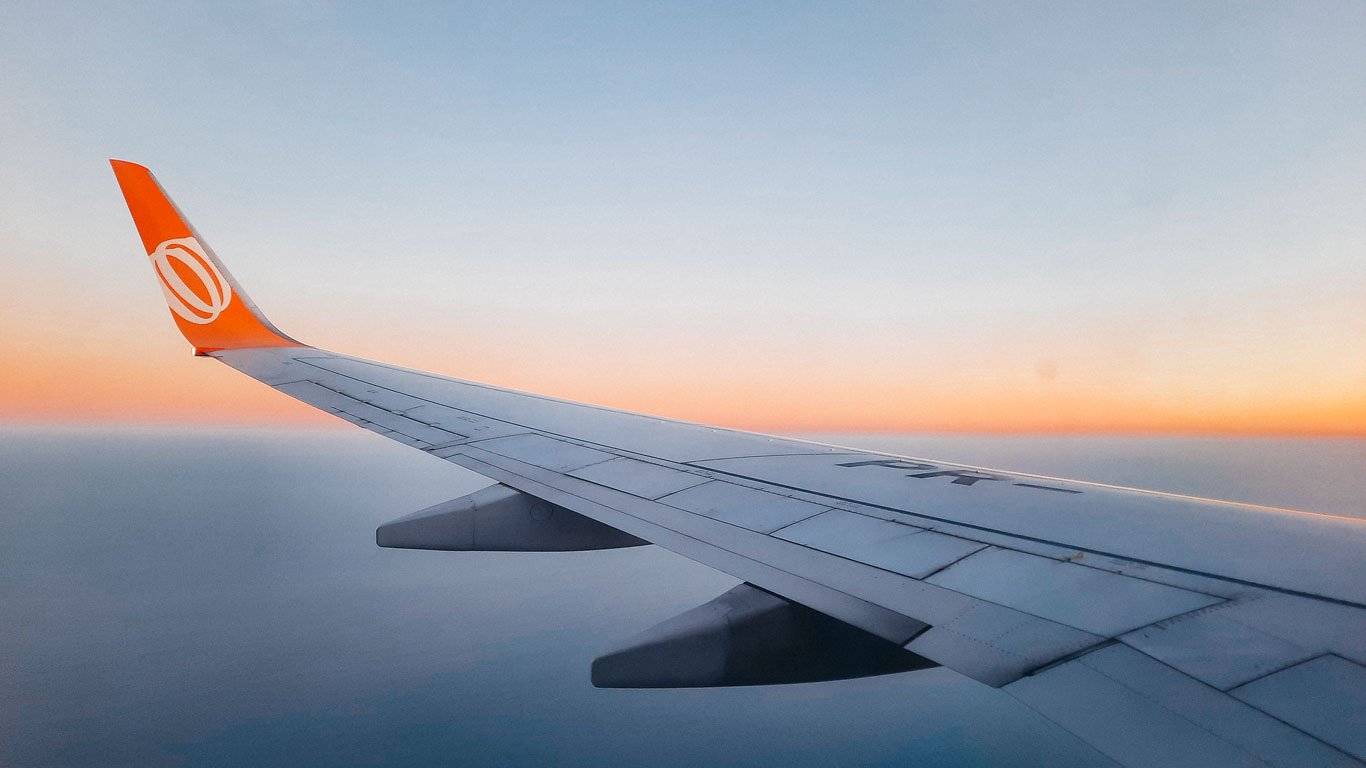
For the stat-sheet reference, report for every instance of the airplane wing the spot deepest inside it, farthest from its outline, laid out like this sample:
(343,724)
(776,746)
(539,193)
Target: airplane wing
(1163,630)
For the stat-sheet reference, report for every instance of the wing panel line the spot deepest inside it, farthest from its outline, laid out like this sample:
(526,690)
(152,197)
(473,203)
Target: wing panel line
(921,515)
(1050,542)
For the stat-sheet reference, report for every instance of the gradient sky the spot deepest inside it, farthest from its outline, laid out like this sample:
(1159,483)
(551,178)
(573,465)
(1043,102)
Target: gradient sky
(981,217)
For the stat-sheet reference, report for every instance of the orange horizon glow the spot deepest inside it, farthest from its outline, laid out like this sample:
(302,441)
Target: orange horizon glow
(249,411)
(141,386)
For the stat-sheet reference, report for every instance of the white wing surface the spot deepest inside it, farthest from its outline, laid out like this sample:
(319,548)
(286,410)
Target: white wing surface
(1162,630)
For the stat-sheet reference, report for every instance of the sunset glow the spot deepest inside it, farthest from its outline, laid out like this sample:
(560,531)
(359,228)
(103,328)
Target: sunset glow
(890,221)
(145,382)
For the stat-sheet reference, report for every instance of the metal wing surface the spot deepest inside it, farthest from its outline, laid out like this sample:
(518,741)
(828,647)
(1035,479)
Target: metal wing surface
(1162,630)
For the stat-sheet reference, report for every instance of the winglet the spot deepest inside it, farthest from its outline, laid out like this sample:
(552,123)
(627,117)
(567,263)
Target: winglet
(207,304)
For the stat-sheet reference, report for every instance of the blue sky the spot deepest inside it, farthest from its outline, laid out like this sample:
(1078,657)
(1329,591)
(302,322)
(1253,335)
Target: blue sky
(1160,200)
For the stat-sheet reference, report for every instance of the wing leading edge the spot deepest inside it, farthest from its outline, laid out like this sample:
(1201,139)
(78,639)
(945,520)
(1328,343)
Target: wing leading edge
(1162,630)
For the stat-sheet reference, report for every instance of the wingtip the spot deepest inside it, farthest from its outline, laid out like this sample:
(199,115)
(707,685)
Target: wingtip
(117,164)
(209,307)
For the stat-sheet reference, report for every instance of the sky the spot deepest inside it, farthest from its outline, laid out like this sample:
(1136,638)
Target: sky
(976,217)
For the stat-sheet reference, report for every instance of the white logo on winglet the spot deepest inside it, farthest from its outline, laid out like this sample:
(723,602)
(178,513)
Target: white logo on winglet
(201,307)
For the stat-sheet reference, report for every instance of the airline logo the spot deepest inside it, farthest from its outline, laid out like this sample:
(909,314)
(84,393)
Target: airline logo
(196,291)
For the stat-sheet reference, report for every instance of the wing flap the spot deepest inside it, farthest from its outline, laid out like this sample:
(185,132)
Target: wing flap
(990,643)
(1216,650)
(1140,712)
(1315,624)
(1066,592)
(1324,696)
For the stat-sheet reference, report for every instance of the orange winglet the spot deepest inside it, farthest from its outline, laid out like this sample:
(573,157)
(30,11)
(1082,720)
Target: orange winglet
(207,304)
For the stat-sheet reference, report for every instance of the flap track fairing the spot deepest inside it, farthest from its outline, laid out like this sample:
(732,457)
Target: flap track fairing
(748,636)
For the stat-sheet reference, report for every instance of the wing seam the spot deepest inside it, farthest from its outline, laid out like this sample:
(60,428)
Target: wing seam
(1058,544)
(920,515)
